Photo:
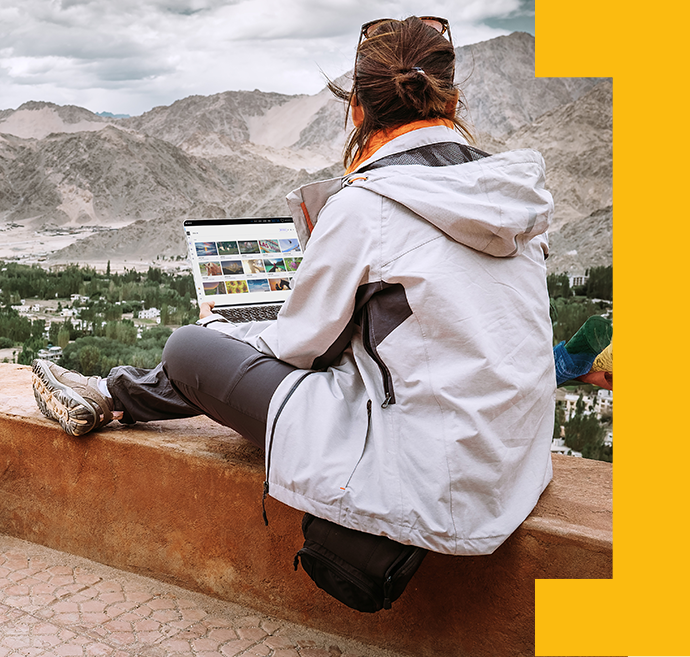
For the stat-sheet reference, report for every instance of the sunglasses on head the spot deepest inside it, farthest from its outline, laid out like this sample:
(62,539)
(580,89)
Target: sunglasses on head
(441,25)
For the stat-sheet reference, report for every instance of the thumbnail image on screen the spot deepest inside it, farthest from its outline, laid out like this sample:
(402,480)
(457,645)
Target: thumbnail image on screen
(206,249)
(238,286)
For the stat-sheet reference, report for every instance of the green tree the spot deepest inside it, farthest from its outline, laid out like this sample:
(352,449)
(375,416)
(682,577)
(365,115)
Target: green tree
(154,275)
(600,283)
(88,314)
(53,332)
(558,421)
(14,326)
(89,360)
(99,354)
(63,337)
(113,313)
(69,326)
(29,351)
(154,339)
(124,332)
(117,338)
(38,327)
(584,433)
(558,286)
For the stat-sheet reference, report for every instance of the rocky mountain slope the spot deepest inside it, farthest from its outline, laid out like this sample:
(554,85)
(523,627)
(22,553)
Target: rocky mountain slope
(502,93)
(227,113)
(162,236)
(292,131)
(36,120)
(585,243)
(240,152)
(96,177)
(576,141)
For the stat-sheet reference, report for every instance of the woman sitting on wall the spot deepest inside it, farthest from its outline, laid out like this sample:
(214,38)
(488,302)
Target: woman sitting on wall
(406,388)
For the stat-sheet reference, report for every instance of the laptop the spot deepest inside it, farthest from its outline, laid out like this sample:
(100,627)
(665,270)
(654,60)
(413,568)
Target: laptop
(246,265)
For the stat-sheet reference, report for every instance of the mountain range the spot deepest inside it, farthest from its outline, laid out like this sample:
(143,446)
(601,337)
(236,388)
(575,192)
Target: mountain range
(116,188)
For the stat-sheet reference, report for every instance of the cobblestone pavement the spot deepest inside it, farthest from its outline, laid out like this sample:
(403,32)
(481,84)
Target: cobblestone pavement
(55,604)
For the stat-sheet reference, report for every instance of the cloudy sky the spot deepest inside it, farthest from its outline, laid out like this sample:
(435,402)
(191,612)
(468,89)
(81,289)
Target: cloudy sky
(127,56)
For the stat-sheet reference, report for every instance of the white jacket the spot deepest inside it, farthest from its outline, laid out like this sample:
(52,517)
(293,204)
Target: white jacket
(423,408)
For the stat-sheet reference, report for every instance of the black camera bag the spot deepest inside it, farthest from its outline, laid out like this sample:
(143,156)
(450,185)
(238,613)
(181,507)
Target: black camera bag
(363,571)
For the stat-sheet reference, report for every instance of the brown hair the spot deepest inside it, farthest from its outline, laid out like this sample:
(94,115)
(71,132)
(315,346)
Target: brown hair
(404,72)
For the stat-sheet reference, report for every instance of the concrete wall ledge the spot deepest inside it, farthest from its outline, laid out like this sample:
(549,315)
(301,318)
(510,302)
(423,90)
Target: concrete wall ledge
(181,501)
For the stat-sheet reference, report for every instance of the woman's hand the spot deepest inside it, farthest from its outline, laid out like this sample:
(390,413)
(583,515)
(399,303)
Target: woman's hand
(205,308)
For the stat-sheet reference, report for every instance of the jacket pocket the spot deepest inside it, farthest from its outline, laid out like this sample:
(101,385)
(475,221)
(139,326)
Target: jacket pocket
(369,341)
(383,313)
(364,447)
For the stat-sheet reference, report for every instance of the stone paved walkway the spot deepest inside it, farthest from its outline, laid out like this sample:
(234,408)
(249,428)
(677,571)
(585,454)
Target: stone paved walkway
(55,604)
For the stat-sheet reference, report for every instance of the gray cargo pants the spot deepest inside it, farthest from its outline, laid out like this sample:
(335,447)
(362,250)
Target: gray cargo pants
(202,372)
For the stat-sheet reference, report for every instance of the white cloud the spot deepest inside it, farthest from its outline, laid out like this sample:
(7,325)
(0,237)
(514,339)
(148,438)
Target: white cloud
(131,55)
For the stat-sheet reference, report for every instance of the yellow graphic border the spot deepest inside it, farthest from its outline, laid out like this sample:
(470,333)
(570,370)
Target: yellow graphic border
(643,610)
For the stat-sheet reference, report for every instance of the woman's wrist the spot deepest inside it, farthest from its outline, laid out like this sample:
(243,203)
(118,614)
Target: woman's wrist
(214,317)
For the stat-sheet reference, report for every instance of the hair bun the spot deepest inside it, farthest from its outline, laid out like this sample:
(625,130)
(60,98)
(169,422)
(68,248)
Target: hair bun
(410,86)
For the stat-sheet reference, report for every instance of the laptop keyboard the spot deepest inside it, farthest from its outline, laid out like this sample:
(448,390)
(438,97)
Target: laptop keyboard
(249,313)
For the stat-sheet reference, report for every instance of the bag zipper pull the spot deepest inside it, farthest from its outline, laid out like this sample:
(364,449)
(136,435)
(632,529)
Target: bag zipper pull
(387,586)
(387,400)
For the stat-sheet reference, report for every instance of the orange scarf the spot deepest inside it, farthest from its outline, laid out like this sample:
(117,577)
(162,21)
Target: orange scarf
(382,137)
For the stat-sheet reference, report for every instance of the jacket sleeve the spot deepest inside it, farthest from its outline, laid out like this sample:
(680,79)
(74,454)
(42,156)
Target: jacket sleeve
(340,258)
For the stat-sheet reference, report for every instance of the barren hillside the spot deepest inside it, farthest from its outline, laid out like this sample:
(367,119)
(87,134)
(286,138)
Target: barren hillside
(68,175)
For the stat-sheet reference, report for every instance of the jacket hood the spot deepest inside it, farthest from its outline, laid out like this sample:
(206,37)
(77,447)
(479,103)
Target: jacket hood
(495,205)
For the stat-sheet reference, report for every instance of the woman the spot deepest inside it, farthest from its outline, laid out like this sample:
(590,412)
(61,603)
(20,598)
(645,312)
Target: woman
(406,388)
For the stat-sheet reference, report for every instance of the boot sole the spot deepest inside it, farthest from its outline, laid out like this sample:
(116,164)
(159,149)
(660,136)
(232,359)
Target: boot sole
(61,403)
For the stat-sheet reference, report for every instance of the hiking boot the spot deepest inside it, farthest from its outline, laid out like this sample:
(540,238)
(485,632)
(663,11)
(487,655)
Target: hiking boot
(72,399)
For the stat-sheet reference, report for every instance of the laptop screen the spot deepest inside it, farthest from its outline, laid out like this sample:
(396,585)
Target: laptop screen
(243,261)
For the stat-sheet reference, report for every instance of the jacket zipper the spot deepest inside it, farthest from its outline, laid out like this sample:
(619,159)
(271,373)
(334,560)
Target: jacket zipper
(270,442)
(367,339)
